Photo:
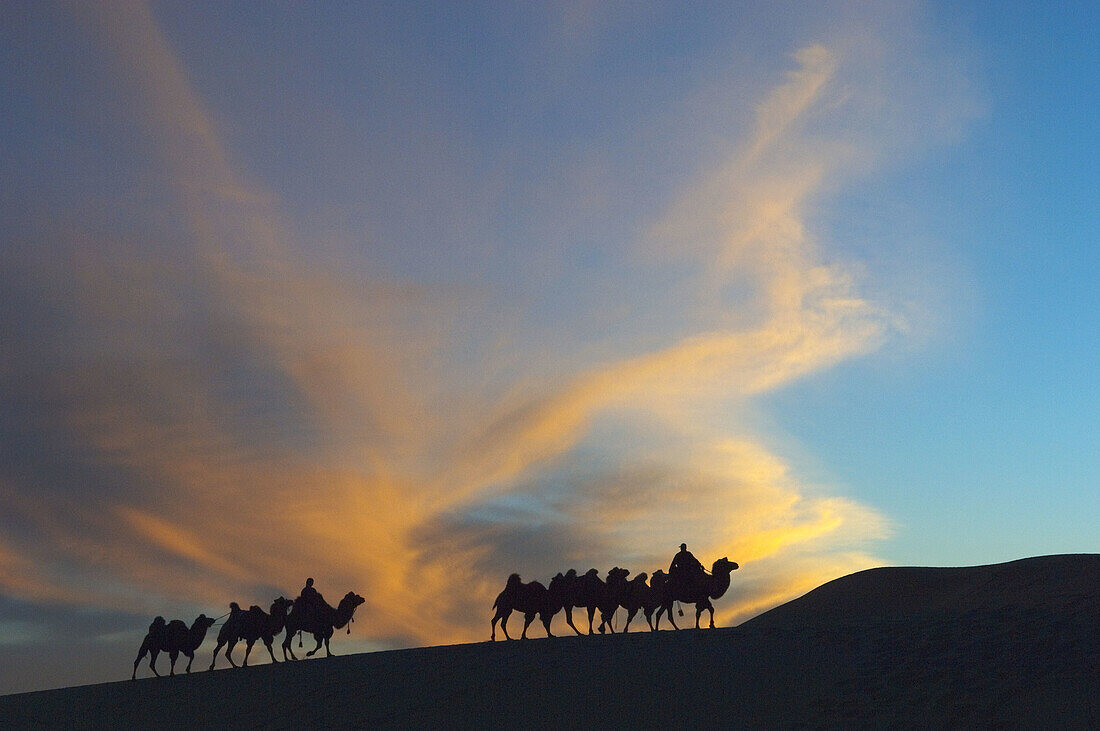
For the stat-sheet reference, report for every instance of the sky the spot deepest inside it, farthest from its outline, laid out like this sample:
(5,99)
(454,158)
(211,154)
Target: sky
(409,297)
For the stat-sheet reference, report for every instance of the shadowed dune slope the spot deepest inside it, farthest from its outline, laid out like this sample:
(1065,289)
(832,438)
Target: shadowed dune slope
(1051,583)
(1013,645)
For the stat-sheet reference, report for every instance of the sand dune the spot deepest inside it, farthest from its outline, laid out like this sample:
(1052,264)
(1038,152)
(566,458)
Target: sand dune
(1011,645)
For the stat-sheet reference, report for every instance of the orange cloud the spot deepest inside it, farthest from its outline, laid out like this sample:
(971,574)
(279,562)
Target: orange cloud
(274,418)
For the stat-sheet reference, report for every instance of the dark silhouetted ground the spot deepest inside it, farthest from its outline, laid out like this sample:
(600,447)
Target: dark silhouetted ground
(1013,645)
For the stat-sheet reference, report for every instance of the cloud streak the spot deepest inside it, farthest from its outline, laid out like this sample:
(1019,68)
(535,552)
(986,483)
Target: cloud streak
(233,414)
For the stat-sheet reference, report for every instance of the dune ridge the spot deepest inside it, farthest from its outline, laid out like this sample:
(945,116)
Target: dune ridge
(1013,645)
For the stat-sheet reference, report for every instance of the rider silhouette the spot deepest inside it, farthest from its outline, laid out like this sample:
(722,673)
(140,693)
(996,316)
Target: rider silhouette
(685,569)
(310,599)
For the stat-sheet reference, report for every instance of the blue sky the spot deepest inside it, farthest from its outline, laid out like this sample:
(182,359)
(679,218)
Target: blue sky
(408,299)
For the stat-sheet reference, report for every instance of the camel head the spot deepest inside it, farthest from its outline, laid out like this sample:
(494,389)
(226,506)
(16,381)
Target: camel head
(352,599)
(724,565)
(593,573)
(571,574)
(281,605)
(202,623)
(641,578)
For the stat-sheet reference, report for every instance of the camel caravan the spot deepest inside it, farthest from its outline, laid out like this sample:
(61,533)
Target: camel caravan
(309,613)
(686,581)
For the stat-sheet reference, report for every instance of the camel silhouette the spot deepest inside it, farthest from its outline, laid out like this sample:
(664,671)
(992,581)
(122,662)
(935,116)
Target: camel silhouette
(320,619)
(255,624)
(638,595)
(614,591)
(532,599)
(174,637)
(584,591)
(699,591)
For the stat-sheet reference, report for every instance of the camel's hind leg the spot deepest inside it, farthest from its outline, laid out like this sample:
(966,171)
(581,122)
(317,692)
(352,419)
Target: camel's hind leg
(528,618)
(267,643)
(629,616)
(247,650)
(229,652)
(591,616)
(546,623)
(153,661)
(501,616)
(320,641)
(172,656)
(569,619)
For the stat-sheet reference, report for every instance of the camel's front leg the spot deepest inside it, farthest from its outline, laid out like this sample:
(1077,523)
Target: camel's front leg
(190,659)
(328,652)
(629,616)
(667,609)
(172,655)
(528,618)
(214,659)
(141,655)
(287,648)
(153,661)
(591,616)
(247,650)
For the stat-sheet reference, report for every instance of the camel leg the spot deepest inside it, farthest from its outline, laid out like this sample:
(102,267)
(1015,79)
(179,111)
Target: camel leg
(500,615)
(667,609)
(215,658)
(528,618)
(287,648)
(190,659)
(546,624)
(328,652)
(229,652)
(267,643)
(629,616)
(591,616)
(172,655)
(247,650)
(569,619)
(142,652)
(710,608)
(320,641)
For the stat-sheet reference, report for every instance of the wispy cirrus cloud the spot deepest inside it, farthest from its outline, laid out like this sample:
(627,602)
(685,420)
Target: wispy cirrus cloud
(252,414)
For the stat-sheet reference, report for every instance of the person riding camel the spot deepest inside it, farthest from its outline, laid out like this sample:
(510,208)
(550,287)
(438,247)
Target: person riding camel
(685,570)
(310,599)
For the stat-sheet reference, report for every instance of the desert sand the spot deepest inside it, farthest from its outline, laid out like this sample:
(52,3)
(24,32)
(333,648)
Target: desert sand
(1013,645)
